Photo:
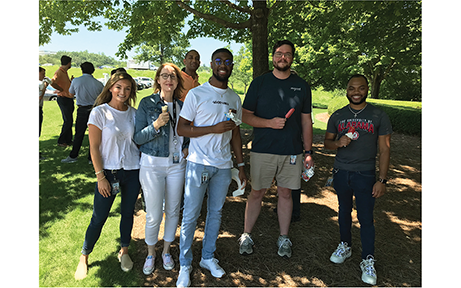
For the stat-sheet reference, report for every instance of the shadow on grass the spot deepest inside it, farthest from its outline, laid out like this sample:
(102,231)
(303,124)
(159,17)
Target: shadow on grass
(61,185)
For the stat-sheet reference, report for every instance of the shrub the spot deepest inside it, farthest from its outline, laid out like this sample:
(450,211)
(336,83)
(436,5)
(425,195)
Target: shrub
(406,120)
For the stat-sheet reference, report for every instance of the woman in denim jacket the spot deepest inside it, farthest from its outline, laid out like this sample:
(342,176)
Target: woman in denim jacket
(163,160)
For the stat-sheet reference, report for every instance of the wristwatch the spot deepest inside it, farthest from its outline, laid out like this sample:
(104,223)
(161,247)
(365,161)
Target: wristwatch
(309,152)
(384,181)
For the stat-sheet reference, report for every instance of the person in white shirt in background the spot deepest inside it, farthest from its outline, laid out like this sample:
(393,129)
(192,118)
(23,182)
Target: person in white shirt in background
(43,82)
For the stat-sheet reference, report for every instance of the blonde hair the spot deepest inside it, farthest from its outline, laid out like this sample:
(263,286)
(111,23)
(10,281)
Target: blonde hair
(106,95)
(179,88)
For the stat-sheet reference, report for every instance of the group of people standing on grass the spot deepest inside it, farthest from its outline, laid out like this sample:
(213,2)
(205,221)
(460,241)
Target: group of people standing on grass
(178,147)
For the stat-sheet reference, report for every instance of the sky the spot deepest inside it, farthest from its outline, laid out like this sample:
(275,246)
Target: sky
(107,41)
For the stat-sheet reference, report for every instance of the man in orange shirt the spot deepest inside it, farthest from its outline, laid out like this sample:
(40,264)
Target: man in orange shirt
(189,73)
(61,82)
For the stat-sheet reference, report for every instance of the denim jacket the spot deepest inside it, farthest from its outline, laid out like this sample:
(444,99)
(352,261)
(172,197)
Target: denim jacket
(151,142)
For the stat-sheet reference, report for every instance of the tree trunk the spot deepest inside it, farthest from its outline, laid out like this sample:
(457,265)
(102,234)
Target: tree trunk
(375,86)
(259,38)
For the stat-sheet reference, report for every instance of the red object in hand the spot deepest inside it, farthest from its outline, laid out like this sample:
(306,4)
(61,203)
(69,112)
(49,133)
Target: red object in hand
(289,113)
(351,130)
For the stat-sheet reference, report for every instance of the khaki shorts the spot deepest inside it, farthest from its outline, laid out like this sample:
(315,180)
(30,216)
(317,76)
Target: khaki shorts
(265,166)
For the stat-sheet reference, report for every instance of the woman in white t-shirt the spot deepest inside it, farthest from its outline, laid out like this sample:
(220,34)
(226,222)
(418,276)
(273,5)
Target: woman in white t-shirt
(163,160)
(116,164)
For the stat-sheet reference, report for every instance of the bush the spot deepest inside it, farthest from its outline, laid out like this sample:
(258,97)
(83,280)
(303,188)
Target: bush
(406,120)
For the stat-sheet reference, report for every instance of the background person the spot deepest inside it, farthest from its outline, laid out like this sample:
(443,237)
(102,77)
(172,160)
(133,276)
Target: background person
(86,89)
(277,147)
(61,82)
(162,160)
(43,82)
(189,72)
(116,165)
(354,169)
(209,161)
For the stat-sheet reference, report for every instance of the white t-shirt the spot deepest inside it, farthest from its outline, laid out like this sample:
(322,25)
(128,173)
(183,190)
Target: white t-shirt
(41,87)
(117,148)
(207,105)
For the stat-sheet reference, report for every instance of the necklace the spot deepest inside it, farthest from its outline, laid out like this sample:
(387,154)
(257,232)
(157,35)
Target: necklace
(220,94)
(355,114)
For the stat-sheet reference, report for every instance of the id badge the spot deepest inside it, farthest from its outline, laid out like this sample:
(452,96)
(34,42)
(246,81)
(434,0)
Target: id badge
(175,157)
(115,188)
(293,159)
(204,178)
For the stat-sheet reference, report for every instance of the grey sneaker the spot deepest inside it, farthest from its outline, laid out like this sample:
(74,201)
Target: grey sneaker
(246,244)
(341,253)
(69,160)
(284,245)
(368,270)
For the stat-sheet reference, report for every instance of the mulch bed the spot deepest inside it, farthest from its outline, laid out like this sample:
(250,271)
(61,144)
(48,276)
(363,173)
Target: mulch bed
(315,237)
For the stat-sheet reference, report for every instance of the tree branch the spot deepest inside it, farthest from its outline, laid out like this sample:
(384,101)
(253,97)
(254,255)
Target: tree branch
(236,7)
(243,25)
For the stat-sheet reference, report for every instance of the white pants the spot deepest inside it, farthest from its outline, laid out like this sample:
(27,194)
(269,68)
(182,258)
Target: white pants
(162,184)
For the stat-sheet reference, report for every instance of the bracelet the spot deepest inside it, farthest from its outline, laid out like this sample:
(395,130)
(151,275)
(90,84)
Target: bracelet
(99,172)
(240,164)
(102,178)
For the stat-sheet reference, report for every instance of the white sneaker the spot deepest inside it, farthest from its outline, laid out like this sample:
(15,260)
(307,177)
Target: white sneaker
(212,265)
(184,277)
(149,265)
(368,270)
(341,253)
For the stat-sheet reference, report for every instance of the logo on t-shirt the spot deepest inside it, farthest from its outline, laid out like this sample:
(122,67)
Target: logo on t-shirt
(357,124)
(295,88)
(220,102)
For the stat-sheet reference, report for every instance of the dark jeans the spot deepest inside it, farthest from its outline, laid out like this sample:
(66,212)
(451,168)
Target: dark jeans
(83,114)
(360,184)
(129,190)
(67,108)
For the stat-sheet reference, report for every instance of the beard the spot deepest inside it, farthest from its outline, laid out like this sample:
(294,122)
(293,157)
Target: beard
(222,79)
(356,103)
(283,68)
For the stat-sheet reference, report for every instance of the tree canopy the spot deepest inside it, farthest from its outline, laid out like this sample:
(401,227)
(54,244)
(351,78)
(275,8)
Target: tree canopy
(381,39)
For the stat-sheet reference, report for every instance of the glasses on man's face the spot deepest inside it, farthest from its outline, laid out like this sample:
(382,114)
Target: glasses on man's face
(166,75)
(280,54)
(219,62)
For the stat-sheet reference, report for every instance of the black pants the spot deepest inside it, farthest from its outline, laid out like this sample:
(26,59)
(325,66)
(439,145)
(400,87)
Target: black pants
(83,114)
(67,109)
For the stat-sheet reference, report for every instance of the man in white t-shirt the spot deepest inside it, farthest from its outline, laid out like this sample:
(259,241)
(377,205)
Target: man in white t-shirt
(209,161)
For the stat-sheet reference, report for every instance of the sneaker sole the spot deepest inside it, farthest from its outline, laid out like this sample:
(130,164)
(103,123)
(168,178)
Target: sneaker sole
(246,252)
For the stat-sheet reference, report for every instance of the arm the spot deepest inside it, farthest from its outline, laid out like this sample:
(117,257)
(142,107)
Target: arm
(308,134)
(187,130)
(236,144)
(95,137)
(249,118)
(384,143)
(56,86)
(143,131)
(332,144)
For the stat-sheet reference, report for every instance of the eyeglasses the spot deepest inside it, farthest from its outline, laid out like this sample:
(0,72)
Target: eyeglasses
(219,62)
(280,54)
(165,76)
